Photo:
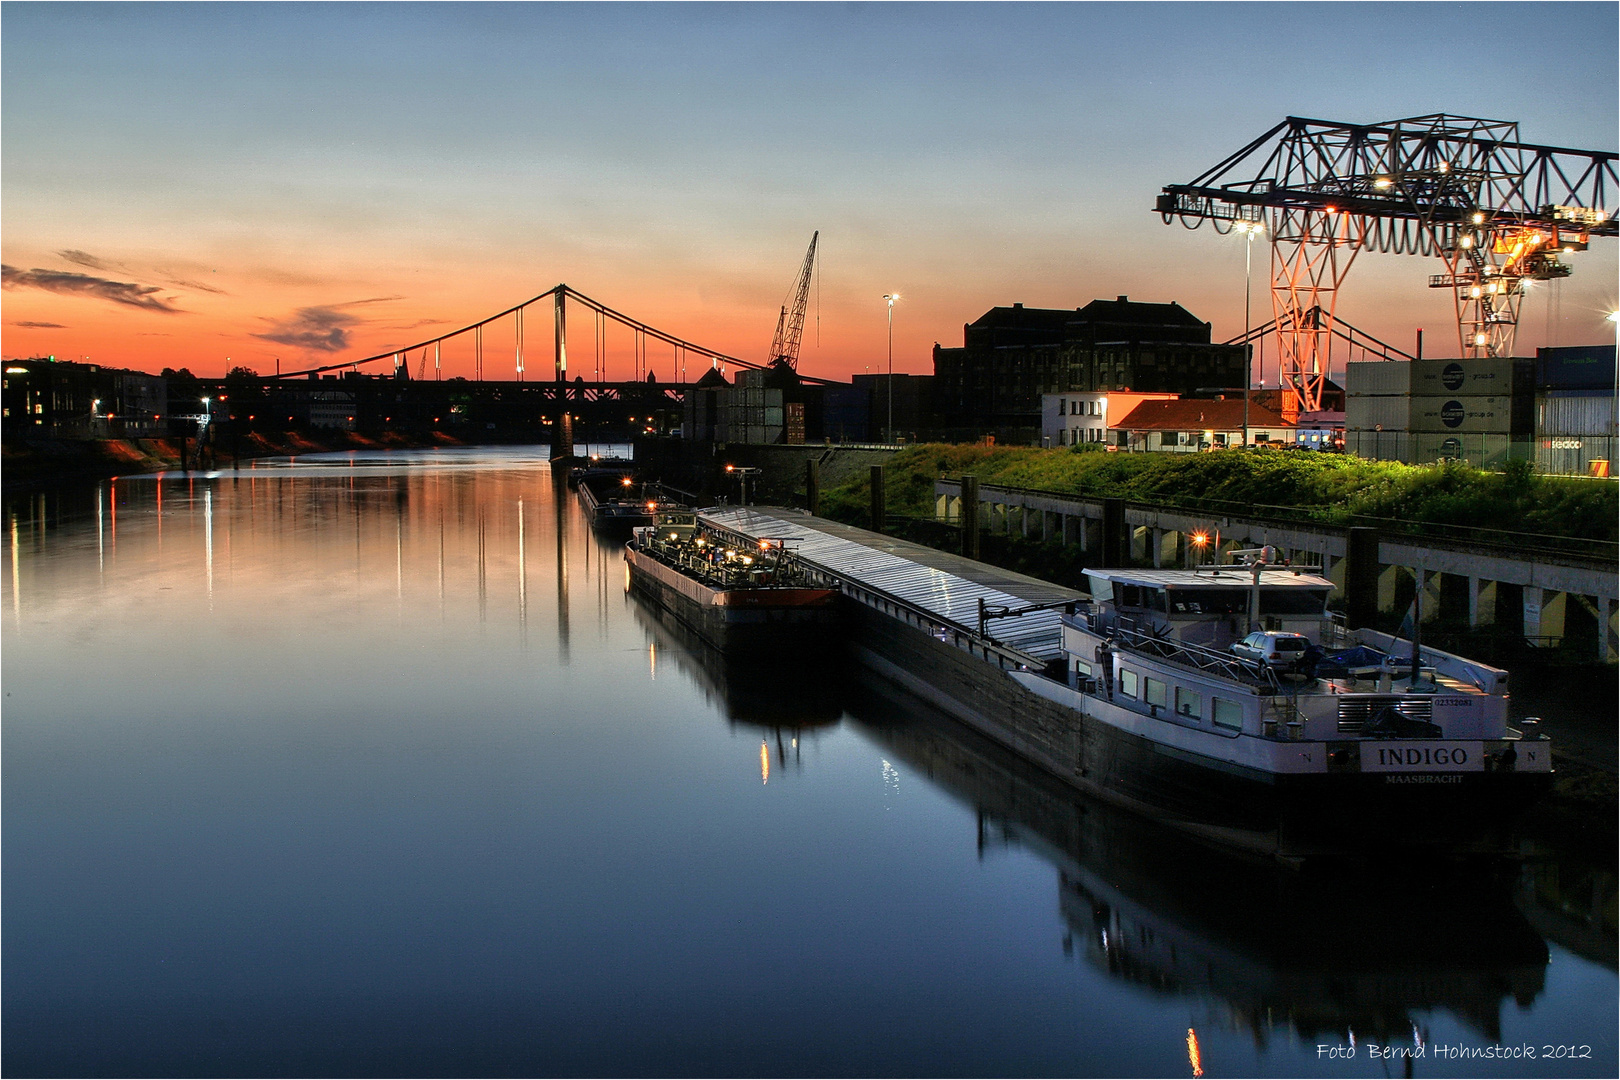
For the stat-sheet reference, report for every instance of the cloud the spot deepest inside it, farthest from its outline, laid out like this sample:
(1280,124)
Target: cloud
(318,329)
(72,284)
(84,258)
(324,328)
(184,284)
(41,325)
(418,322)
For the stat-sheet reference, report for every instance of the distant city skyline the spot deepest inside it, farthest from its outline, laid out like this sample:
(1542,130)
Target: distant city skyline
(207,186)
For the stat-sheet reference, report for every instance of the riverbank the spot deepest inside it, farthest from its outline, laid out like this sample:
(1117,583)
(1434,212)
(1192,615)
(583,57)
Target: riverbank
(38,464)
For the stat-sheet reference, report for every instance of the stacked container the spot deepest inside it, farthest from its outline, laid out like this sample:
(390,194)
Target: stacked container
(1575,410)
(1378,410)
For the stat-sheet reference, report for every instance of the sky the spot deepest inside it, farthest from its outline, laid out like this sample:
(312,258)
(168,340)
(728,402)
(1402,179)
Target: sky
(210,186)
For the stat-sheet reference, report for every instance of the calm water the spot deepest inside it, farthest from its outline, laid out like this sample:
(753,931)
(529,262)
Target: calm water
(372,766)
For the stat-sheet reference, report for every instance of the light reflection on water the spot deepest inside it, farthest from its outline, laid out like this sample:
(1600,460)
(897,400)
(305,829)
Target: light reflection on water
(372,765)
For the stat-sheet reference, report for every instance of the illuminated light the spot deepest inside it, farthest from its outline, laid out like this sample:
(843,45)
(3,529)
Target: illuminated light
(1479,339)
(1613,316)
(1474,292)
(731,468)
(1200,539)
(748,560)
(625,481)
(1467,241)
(16,371)
(1479,218)
(1194,1058)
(764,763)
(1445,167)
(1382,182)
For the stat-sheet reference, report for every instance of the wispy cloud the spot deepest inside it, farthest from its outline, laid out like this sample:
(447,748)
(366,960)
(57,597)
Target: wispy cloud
(72,284)
(199,286)
(84,258)
(323,328)
(40,325)
(418,322)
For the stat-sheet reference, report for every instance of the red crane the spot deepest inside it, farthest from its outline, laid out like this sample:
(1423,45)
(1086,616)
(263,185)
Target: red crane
(790,325)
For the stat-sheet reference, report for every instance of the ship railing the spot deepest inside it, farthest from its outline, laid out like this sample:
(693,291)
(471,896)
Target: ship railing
(1142,639)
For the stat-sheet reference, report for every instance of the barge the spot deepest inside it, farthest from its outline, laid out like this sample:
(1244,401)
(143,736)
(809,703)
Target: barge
(614,502)
(1132,693)
(746,599)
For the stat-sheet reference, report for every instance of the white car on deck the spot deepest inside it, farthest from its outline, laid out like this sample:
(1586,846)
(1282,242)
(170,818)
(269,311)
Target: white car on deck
(1273,648)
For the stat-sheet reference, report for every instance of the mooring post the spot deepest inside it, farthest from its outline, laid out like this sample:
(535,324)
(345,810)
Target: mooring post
(1360,577)
(812,486)
(970,517)
(880,510)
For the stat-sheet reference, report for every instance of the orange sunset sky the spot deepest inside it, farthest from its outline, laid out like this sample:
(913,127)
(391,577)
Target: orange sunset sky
(206,186)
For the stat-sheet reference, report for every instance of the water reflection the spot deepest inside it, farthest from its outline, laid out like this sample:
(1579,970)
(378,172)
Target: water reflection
(1317,954)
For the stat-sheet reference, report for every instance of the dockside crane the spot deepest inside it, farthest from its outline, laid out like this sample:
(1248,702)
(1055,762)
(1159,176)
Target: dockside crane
(790,325)
(1499,213)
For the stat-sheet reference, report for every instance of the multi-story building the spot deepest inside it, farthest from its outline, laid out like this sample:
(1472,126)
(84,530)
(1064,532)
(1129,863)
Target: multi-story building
(1087,417)
(1010,356)
(59,398)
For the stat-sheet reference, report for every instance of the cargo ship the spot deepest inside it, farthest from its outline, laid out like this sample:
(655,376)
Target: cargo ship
(754,599)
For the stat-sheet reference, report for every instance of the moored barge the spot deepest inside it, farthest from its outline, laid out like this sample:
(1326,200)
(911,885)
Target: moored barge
(1133,693)
(753,599)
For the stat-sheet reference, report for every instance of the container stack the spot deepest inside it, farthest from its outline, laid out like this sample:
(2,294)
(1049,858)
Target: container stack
(1378,410)
(1575,410)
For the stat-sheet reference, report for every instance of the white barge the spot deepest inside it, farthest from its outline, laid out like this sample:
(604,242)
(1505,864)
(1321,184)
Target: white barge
(1133,694)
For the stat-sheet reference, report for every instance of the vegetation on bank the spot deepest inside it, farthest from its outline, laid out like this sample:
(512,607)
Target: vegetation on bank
(1331,489)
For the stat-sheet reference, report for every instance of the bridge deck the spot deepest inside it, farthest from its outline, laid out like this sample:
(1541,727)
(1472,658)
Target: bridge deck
(948,586)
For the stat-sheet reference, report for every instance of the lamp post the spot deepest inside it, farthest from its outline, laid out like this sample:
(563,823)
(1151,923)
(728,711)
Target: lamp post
(1248,228)
(891,298)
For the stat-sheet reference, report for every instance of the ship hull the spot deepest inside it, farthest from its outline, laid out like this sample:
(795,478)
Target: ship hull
(1238,805)
(747,621)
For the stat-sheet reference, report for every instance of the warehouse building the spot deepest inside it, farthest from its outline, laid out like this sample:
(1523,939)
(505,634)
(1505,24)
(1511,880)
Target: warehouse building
(1011,356)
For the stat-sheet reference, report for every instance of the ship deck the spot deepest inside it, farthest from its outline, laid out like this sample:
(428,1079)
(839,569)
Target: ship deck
(947,586)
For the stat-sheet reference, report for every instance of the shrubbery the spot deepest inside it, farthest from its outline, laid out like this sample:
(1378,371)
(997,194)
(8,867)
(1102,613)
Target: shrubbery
(1328,488)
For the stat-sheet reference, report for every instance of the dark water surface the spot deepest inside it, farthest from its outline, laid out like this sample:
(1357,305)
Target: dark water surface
(372,767)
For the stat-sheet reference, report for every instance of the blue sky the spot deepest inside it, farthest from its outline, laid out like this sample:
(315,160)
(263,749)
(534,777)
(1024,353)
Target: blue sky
(444,162)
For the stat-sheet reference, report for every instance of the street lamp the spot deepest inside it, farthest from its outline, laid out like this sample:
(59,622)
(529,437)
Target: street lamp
(891,298)
(1248,228)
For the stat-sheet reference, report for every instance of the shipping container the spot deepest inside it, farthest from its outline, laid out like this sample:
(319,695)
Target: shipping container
(1480,449)
(1573,455)
(1493,375)
(1580,367)
(1564,413)
(1379,445)
(1386,412)
(1378,377)
(1462,413)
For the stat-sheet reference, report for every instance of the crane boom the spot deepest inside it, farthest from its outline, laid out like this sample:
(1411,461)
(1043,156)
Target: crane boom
(790,325)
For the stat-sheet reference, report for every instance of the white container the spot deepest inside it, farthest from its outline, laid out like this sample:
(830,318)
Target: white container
(1387,412)
(1377,377)
(1462,414)
(1474,378)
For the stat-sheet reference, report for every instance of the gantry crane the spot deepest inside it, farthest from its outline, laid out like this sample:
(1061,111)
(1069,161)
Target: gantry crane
(790,325)
(1499,212)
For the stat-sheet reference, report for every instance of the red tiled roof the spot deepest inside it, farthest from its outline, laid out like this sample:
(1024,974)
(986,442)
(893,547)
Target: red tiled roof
(1195,414)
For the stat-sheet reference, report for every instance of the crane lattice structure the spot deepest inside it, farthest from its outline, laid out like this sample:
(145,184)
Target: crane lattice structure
(790,324)
(1498,211)
(559,295)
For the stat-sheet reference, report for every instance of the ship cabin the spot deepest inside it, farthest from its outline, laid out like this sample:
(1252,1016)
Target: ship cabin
(1211,606)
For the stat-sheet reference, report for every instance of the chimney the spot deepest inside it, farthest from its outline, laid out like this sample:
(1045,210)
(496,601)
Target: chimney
(1018,305)
(1124,300)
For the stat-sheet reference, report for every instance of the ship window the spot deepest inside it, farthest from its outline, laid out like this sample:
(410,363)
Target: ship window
(1155,692)
(1189,703)
(1127,683)
(1227,714)
(1082,669)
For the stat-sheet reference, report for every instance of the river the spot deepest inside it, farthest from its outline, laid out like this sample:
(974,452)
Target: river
(369,765)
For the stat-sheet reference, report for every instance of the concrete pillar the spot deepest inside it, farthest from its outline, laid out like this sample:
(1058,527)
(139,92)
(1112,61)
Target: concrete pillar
(1532,612)
(1068,523)
(970,516)
(1363,585)
(1157,540)
(1116,548)
(1605,612)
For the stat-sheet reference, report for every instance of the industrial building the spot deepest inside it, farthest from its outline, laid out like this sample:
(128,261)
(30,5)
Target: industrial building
(1011,356)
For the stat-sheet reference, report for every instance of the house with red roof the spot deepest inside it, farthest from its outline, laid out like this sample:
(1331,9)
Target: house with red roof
(1185,425)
